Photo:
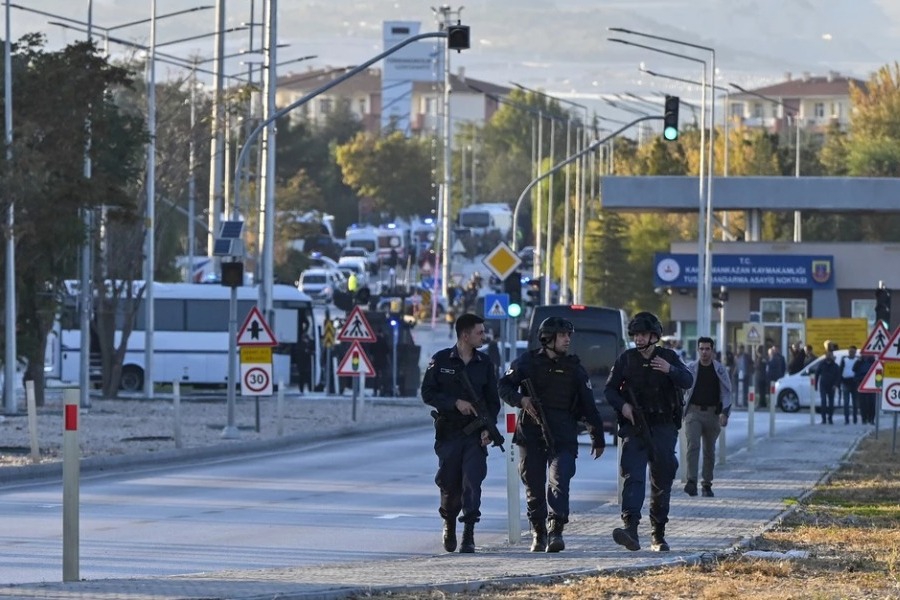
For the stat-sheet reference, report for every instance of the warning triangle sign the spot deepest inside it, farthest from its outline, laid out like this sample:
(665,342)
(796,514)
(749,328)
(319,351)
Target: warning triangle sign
(877,341)
(871,383)
(356,362)
(255,331)
(892,349)
(356,328)
(497,309)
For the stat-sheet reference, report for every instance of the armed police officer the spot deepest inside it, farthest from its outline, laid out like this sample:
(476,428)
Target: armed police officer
(643,387)
(459,445)
(547,429)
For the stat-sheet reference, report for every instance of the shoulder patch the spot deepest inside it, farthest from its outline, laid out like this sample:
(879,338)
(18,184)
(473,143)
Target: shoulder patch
(430,364)
(588,384)
(509,371)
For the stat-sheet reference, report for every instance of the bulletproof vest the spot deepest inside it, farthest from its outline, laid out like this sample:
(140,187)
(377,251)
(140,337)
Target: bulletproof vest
(654,390)
(555,381)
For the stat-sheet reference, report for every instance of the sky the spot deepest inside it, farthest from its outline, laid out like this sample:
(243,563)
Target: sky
(560,47)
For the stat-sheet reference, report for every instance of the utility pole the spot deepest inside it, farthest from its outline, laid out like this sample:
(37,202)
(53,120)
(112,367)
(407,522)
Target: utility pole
(217,157)
(445,16)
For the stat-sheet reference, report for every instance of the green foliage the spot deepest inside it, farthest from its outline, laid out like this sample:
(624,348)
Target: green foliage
(55,96)
(395,171)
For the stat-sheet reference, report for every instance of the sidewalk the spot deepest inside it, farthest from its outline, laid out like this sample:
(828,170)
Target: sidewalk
(753,490)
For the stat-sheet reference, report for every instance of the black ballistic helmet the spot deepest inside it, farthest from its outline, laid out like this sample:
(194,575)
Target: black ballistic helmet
(551,326)
(644,322)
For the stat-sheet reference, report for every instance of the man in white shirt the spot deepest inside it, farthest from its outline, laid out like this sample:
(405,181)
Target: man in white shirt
(849,383)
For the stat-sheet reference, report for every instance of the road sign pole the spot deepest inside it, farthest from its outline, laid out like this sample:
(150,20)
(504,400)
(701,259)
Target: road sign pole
(230,432)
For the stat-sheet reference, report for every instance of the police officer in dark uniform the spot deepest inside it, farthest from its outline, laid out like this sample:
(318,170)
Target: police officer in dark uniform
(564,389)
(462,458)
(649,376)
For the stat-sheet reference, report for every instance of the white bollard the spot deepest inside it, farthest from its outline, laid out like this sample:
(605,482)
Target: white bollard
(751,411)
(71,473)
(32,422)
(772,411)
(512,477)
(176,405)
(279,409)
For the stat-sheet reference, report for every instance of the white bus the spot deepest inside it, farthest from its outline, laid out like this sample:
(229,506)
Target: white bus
(190,341)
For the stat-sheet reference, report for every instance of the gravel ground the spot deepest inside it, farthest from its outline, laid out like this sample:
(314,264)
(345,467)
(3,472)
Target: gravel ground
(141,426)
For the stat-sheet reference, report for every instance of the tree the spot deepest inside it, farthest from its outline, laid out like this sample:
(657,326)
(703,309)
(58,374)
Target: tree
(55,95)
(394,171)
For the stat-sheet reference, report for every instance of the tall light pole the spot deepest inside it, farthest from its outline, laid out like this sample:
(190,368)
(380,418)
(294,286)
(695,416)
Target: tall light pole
(706,261)
(10,403)
(579,175)
(798,227)
(726,235)
(267,172)
(150,235)
(704,247)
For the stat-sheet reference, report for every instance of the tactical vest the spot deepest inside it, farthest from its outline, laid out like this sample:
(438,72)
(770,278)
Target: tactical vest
(654,390)
(555,381)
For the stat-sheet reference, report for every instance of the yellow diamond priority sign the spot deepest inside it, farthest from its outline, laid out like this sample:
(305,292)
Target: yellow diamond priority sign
(502,261)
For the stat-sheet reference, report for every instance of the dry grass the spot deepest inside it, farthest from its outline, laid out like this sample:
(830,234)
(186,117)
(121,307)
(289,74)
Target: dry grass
(850,527)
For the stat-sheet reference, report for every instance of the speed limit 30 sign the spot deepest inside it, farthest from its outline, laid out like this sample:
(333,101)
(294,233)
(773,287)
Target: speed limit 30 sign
(256,371)
(891,387)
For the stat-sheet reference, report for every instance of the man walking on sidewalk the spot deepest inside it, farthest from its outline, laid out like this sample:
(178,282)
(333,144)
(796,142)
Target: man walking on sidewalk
(461,449)
(708,408)
(643,389)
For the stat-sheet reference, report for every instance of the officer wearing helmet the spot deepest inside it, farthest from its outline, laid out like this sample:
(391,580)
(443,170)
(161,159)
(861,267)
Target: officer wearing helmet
(651,377)
(563,387)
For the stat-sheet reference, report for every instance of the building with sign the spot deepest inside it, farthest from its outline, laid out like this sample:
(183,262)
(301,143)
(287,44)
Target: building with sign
(776,286)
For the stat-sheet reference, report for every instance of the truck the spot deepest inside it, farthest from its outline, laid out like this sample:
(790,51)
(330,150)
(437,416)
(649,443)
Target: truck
(482,219)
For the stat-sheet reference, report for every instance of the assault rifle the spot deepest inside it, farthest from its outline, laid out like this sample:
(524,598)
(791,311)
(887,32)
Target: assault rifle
(640,424)
(542,417)
(482,421)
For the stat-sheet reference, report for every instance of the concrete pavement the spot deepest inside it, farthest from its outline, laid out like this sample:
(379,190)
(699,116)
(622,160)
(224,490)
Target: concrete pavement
(753,491)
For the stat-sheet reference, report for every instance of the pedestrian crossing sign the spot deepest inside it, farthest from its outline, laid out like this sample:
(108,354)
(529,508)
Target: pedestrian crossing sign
(877,341)
(356,328)
(496,306)
(892,349)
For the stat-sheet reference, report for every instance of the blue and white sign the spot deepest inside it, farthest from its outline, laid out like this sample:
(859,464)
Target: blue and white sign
(747,271)
(496,306)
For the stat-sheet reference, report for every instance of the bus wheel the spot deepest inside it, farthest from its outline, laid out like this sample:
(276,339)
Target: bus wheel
(132,379)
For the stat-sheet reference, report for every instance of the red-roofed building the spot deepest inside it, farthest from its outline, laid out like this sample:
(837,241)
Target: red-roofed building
(820,100)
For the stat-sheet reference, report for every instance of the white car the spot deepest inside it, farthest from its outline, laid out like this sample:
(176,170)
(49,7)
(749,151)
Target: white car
(354,265)
(320,284)
(794,392)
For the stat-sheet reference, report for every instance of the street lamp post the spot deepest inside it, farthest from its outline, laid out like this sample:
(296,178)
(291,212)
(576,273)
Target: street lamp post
(9,365)
(579,180)
(798,227)
(704,253)
(706,260)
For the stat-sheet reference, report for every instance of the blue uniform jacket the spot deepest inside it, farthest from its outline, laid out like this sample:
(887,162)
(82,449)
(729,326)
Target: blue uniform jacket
(441,387)
(583,406)
(678,374)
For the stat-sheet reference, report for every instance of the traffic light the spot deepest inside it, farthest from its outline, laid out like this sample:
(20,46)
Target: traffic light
(883,305)
(534,292)
(720,298)
(670,119)
(458,37)
(512,285)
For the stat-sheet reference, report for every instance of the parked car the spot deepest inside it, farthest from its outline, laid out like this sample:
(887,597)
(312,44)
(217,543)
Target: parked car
(349,265)
(371,258)
(320,284)
(794,392)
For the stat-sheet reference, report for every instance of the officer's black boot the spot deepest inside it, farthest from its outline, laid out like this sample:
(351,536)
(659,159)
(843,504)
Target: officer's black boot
(555,541)
(539,536)
(468,540)
(627,536)
(658,539)
(450,535)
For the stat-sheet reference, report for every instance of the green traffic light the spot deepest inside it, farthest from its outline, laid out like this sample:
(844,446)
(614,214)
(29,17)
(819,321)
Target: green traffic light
(670,133)
(514,310)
